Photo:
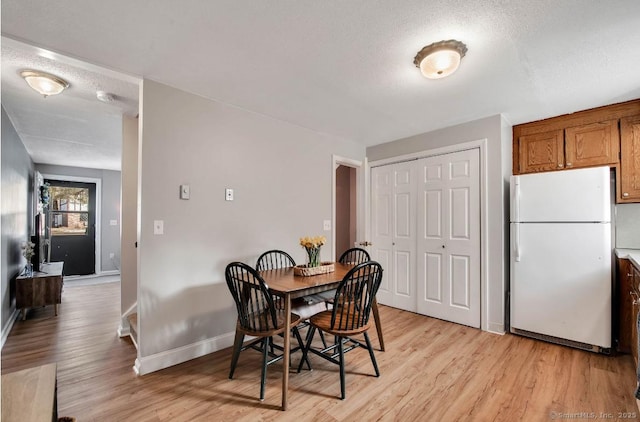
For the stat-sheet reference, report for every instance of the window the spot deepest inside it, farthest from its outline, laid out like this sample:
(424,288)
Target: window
(69,211)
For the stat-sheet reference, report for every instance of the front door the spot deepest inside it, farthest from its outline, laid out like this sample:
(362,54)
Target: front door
(71,224)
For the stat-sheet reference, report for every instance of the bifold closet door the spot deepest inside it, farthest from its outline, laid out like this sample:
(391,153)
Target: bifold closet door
(448,240)
(393,223)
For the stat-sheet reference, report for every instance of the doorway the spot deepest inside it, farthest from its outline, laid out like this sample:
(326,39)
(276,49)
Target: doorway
(347,205)
(71,226)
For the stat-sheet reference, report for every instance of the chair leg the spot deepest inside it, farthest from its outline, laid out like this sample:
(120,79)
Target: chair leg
(265,353)
(341,352)
(237,346)
(305,350)
(373,358)
(301,345)
(324,342)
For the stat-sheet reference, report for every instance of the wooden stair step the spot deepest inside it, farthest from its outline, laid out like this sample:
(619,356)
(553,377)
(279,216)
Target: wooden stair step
(133,327)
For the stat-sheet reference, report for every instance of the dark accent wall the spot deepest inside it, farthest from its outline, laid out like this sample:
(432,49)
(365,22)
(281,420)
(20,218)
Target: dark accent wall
(16,202)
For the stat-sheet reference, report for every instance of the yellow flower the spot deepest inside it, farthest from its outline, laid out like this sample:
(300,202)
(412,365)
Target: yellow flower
(312,242)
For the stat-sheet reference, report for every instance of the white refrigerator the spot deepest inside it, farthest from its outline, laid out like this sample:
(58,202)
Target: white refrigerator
(561,257)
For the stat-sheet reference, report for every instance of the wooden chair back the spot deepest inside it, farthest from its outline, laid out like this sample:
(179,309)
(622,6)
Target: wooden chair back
(354,256)
(254,303)
(354,296)
(274,259)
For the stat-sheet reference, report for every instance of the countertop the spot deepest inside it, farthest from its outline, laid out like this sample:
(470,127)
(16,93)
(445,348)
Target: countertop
(632,255)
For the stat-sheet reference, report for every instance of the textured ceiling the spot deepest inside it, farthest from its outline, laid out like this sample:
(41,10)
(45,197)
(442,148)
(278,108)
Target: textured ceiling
(345,67)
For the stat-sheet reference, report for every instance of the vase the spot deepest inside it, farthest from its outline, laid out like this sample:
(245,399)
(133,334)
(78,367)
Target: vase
(28,269)
(313,257)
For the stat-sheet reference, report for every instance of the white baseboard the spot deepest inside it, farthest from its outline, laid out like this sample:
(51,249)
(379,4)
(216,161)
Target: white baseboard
(8,326)
(148,364)
(110,272)
(125,328)
(124,331)
(496,328)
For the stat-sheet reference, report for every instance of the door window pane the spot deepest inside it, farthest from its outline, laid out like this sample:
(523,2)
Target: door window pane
(69,214)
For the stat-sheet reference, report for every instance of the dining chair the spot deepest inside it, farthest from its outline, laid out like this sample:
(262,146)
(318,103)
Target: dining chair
(274,259)
(353,256)
(349,317)
(257,317)
(305,306)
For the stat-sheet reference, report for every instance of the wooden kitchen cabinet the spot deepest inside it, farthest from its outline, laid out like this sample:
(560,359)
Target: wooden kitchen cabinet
(593,144)
(541,151)
(624,307)
(608,135)
(630,160)
(635,279)
(589,145)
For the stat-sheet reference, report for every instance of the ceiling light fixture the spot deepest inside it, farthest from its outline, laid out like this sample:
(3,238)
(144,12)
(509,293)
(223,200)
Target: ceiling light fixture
(44,83)
(440,59)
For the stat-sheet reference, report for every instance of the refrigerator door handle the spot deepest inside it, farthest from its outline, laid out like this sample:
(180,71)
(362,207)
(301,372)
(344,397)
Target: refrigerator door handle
(516,241)
(516,199)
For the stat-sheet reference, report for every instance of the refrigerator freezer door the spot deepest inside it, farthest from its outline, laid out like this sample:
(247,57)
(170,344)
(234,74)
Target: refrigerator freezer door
(560,196)
(561,286)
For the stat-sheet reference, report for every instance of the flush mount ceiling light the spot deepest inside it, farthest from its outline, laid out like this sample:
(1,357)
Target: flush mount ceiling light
(44,83)
(440,59)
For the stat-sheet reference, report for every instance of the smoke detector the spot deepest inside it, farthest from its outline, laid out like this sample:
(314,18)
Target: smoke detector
(104,96)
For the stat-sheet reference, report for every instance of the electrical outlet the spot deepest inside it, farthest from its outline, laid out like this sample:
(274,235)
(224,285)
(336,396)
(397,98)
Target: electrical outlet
(228,194)
(112,255)
(326,225)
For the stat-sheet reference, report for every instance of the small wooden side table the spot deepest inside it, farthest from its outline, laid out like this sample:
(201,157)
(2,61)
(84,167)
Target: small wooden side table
(43,288)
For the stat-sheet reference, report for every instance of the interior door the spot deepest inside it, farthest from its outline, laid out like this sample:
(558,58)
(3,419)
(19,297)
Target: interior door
(448,242)
(393,232)
(71,225)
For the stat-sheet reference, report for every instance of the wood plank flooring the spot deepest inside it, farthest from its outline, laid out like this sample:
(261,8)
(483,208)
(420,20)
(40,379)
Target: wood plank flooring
(432,371)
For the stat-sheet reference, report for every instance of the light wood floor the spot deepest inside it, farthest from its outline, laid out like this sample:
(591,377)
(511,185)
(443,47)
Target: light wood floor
(432,370)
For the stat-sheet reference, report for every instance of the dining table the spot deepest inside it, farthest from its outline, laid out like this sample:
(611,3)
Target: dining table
(284,283)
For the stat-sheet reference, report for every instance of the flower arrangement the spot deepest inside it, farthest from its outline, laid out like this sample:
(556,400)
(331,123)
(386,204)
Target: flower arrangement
(312,245)
(44,195)
(27,250)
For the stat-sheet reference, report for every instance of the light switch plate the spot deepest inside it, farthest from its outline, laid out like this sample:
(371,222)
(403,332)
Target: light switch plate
(326,225)
(228,194)
(158,227)
(185,191)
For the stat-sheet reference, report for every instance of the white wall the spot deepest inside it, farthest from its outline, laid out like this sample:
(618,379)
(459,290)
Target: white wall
(129,216)
(497,132)
(282,177)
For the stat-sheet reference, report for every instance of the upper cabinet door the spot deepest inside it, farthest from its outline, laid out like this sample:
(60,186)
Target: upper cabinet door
(541,151)
(592,144)
(630,162)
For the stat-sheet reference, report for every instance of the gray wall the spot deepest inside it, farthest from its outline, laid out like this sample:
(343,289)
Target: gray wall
(282,178)
(497,132)
(628,226)
(16,199)
(110,208)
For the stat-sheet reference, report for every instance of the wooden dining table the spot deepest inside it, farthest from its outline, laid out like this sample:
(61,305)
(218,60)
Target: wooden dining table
(284,283)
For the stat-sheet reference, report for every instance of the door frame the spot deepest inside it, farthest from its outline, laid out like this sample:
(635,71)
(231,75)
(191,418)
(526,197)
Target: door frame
(481,144)
(336,161)
(98,231)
